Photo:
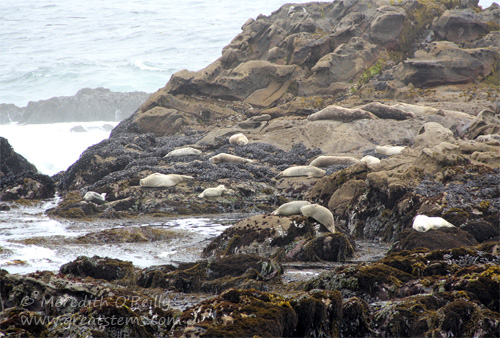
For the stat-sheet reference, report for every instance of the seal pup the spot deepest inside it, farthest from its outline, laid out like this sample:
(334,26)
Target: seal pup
(95,197)
(321,214)
(302,170)
(186,151)
(327,160)
(238,139)
(213,192)
(157,180)
(423,223)
(388,150)
(370,160)
(290,208)
(223,158)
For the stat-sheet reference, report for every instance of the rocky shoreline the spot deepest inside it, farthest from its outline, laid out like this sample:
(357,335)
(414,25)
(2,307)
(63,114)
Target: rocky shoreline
(408,122)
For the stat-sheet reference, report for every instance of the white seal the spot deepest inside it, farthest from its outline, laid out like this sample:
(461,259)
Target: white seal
(321,214)
(161,180)
(302,170)
(424,223)
(213,192)
(290,208)
(186,151)
(327,160)
(388,150)
(238,139)
(223,158)
(95,197)
(370,160)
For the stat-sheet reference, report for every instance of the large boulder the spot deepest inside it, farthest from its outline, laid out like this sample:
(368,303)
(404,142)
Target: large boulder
(446,63)
(19,179)
(460,26)
(293,238)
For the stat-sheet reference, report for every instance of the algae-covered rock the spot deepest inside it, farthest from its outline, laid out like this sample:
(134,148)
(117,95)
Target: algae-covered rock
(244,313)
(213,276)
(97,267)
(19,179)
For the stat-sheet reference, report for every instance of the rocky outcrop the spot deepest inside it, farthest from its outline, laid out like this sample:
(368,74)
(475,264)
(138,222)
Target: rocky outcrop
(458,289)
(87,104)
(323,50)
(19,179)
(446,63)
(290,238)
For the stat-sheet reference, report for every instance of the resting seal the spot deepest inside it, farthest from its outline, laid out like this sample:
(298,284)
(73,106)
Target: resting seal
(186,151)
(213,192)
(97,198)
(161,180)
(387,112)
(290,208)
(238,139)
(223,157)
(370,160)
(302,170)
(321,214)
(325,161)
(388,150)
(341,114)
(423,223)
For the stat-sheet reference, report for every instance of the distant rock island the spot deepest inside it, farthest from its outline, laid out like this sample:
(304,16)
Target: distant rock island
(99,104)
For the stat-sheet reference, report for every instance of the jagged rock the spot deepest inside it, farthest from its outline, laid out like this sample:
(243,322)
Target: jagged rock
(99,268)
(19,179)
(460,26)
(10,113)
(213,276)
(87,104)
(432,134)
(446,63)
(249,312)
(12,163)
(387,25)
(267,235)
(434,239)
(486,122)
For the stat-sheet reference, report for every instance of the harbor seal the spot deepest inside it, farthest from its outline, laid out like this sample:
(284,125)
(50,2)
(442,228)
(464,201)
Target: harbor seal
(387,112)
(213,192)
(341,114)
(158,180)
(320,214)
(223,158)
(388,150)
(302,170)
(95,197)
(186,151)
(327,160)
(370,160)
(238,139)
(290,208)
(423,223)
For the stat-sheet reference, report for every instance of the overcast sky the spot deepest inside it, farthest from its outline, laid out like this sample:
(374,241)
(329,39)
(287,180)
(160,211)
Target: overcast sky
(486,3)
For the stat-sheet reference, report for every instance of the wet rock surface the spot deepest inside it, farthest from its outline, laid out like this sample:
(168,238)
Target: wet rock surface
(19,179)
(424,85)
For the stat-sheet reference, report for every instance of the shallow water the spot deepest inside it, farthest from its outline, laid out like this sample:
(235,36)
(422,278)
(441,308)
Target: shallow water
(31,241)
